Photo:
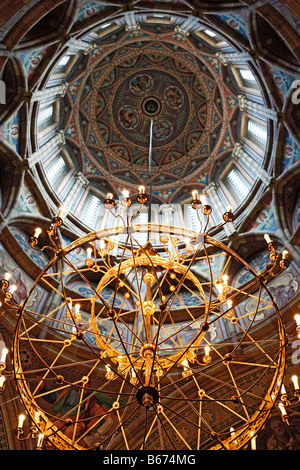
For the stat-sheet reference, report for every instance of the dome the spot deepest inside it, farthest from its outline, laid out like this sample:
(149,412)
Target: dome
(115,92)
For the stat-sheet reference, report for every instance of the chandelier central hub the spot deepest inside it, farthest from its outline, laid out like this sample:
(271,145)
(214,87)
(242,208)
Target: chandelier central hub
(147,396)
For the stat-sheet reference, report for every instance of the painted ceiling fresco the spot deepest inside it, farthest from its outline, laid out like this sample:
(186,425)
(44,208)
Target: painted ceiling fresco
(106,119)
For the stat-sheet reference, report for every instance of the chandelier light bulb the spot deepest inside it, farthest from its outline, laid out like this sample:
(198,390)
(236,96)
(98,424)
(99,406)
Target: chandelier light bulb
(207,350)
(229,303)
(232,432)
(282,409)
(40,440)
(195,194)
(229,209)
(295,382)
(297,318)
(142,189)
(253,442)
(21,421)
(89,253)
(61,212)
(285,254)
(125,193)
(225,279)
(37,232)
(109,196)
(7,276)
(283,390)
(77,308)
(267,238)
(3,355)
(13,288)
(2,380)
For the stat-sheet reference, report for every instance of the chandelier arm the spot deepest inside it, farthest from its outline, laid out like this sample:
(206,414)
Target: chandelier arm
(111,436)
(128,355)
(145,431)
(162,424)
(118,274)
(183,277)
(88,283)
(150,260)
(210,431)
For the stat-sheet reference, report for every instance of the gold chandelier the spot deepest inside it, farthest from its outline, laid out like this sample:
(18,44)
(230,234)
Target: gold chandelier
(158,349)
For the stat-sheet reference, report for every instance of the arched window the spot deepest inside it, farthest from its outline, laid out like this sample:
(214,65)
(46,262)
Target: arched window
(45,115)
(91,210)
(55,169)
(257,131)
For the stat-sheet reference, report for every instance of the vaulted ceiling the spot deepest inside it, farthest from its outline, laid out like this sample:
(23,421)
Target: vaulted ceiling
(175,64)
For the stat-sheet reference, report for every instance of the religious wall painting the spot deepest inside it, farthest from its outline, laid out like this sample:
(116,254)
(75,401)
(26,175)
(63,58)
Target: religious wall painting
(27,202)
(264,220)
(291,153)
(278,435)
(128,117)
(162,129)
(141,84)
(174,97)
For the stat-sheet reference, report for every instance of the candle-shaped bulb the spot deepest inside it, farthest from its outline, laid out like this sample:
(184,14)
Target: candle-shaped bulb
(2,380)
(229,303)
(295,382)
(225,279)
(229,209)
(195,194)
(207,350)
(142,189)
(109,196)
(37,232)
(283,390)
(297,318)
(21,421)
(253,442)
(40,440)
(7,276)
(89,253)
(282,409)
(285,254)
(267,238)
(220,287)
(3,355)
(77,308)
(61,212)
(12,288)
(126,193)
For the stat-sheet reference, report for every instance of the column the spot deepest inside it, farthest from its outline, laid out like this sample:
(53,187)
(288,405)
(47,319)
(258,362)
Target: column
(49,93)
(246,104)
(53,144)
(81,182)
(188,25)
(131,24)
(232,57)
(80,45)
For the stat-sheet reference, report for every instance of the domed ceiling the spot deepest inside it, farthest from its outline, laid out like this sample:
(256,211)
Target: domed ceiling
(128,82)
